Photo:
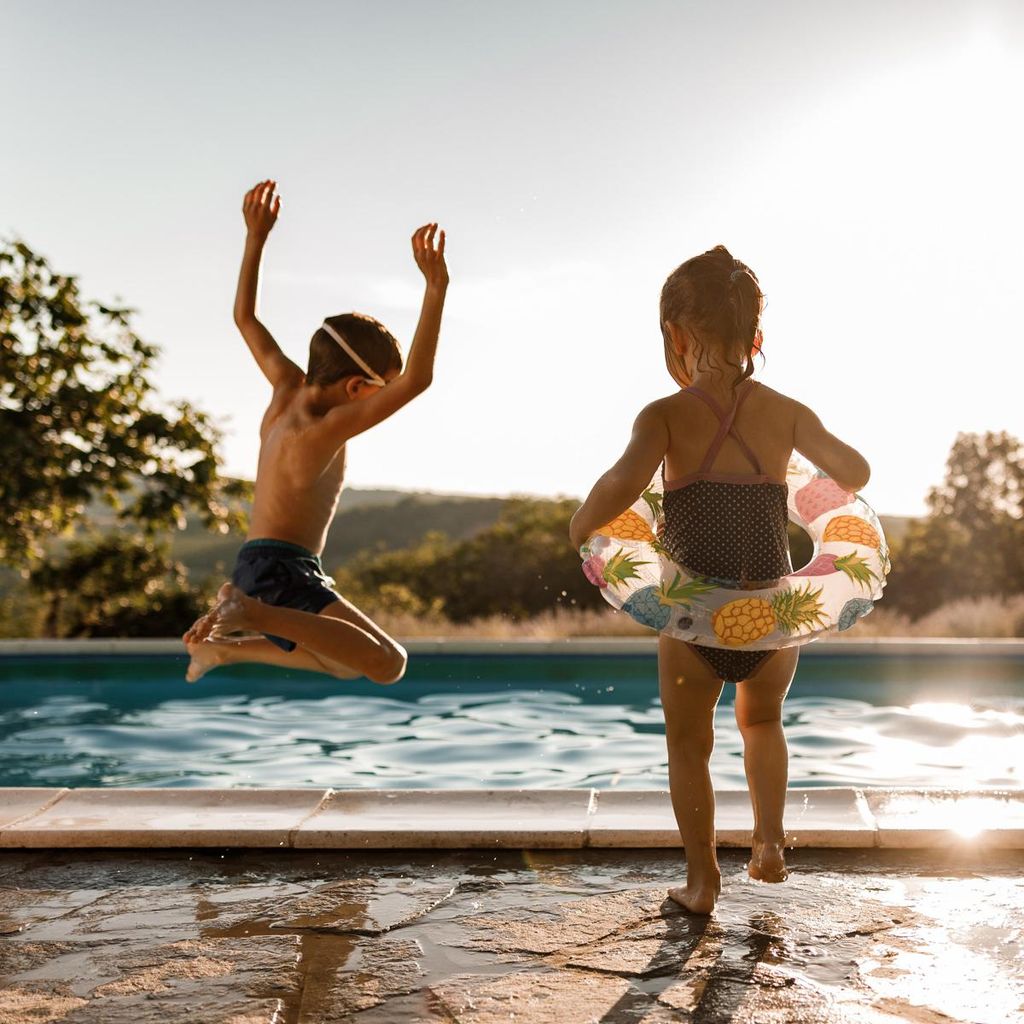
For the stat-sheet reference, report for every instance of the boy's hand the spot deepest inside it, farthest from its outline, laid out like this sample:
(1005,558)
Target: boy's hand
(260,208)
(430,258)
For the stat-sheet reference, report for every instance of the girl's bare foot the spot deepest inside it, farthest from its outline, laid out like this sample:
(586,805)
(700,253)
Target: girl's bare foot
(231,612)
(767,860)
(698,898)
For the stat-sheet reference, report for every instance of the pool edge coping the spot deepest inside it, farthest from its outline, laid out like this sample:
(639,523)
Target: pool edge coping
(582,646)
(323,818)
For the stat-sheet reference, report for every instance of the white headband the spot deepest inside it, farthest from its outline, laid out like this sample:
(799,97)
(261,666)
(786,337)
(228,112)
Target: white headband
(373,376)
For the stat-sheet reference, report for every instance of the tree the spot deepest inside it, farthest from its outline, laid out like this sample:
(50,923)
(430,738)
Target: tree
(972,542)
(519,567)
(117,584)
(984,481)
(79,420)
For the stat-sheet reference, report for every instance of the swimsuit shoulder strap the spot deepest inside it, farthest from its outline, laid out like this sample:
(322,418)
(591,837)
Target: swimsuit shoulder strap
(725,427)
(744,447)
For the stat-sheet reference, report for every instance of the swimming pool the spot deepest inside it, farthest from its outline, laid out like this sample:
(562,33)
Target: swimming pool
(494,720)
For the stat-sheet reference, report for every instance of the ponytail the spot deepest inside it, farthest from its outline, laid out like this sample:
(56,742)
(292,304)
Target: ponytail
(745,300)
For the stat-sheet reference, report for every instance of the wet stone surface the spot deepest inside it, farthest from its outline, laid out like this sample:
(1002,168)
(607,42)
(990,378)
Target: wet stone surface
(871,937)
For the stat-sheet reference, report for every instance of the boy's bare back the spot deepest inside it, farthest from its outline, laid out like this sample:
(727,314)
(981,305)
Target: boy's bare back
(299,477)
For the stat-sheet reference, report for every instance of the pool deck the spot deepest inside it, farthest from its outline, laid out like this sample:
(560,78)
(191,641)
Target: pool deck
(482,937)
(567,819)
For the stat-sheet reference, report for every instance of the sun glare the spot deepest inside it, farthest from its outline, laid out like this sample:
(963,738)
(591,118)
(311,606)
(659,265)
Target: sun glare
(948,714)
(964,816)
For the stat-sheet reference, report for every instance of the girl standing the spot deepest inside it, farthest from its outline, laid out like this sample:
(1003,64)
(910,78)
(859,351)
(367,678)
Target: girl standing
(723,442)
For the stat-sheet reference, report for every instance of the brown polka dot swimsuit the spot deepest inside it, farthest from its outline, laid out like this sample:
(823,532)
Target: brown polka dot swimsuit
(730,528)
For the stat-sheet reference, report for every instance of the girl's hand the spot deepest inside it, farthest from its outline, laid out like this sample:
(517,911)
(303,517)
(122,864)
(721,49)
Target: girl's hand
(430,258)
(261,207)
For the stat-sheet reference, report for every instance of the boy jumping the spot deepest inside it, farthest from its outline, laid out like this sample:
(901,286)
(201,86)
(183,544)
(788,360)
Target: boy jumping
(354,380)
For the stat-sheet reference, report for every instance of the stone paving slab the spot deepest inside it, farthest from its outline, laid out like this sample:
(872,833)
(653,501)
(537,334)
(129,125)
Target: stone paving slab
(20,802)
(482,937)
(814,817)
(449,819)
(163,818)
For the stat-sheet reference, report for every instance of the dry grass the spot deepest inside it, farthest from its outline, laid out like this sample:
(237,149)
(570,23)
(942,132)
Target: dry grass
(973,617)
(553,625)
(979,617)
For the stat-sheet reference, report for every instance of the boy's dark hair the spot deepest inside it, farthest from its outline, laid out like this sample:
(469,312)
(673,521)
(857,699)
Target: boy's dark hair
(720,300)
(374,343)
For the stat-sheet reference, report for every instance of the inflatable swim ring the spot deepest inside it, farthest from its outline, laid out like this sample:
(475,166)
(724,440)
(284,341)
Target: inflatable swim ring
(839,585)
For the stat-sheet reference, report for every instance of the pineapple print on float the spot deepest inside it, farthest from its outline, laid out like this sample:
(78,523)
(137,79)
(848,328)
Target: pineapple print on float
(654,606)
(839,585)
(852,528)
(747,619)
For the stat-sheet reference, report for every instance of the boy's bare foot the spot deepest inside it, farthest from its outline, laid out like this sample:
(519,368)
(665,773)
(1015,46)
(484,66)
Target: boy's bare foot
(205,654)
(199,630)
(767,860)
(697,898)
(231,612)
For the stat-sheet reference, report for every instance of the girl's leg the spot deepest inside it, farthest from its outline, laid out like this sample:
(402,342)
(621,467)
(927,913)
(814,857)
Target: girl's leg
(340,635)
(766,760)
(689,694)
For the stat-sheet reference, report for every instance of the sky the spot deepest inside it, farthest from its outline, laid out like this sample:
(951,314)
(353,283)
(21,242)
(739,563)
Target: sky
(864,159)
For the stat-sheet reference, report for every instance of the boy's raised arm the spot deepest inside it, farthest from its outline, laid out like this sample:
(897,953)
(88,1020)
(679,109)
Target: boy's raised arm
(419,370)
(260,208)
(352,419)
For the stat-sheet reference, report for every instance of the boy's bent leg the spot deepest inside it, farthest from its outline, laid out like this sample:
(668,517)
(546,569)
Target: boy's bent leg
(210,654)
(689,694)
(766,760)
(396,656)
(340,635)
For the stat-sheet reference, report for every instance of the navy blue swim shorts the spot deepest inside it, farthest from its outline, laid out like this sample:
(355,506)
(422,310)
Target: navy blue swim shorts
(276,572)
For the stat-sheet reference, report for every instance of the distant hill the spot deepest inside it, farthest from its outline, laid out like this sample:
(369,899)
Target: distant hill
(367,519)
(386,520)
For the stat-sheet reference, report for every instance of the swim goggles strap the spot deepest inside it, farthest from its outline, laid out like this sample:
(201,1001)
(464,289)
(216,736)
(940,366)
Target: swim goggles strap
(371,374)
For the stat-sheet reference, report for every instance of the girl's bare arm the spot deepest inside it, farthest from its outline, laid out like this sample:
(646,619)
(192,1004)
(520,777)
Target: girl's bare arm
(260,208)
(844,464)
(617,489)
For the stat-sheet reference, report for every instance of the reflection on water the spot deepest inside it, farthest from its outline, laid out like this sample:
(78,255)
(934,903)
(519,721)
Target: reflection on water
(470,723)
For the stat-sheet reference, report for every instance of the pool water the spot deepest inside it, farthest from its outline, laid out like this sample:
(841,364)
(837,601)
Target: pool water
(491,721)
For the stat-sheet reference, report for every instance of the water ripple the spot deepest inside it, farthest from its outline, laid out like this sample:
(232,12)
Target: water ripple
(520,722)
